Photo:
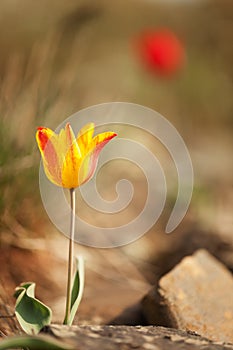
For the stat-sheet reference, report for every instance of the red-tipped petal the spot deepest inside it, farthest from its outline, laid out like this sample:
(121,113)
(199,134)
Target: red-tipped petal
(99,142)
(45,138)
(42,137)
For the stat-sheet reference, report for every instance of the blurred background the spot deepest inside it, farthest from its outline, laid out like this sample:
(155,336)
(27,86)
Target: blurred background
(57,57)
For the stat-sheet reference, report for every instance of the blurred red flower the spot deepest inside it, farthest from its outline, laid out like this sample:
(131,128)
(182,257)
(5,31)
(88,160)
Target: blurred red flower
(161,51)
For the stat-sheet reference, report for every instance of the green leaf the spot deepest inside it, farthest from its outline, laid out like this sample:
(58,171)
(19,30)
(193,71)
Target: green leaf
(33,343)
(77,289)
(31,313)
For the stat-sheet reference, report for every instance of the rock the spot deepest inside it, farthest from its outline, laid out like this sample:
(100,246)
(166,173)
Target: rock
(130,337)
(198,294)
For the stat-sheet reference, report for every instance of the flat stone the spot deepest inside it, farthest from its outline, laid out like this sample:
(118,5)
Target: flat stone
(198,295)
(129,338)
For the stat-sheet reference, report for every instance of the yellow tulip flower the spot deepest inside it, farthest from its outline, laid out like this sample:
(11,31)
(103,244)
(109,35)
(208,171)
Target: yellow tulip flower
(69,161)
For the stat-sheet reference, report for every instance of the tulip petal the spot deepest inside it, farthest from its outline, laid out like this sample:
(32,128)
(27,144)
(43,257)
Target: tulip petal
(89,163)
(42,136)
(85,137)
(71,161)
(45,138)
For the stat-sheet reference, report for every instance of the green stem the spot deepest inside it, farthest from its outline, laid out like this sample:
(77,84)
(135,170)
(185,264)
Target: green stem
(70,259)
